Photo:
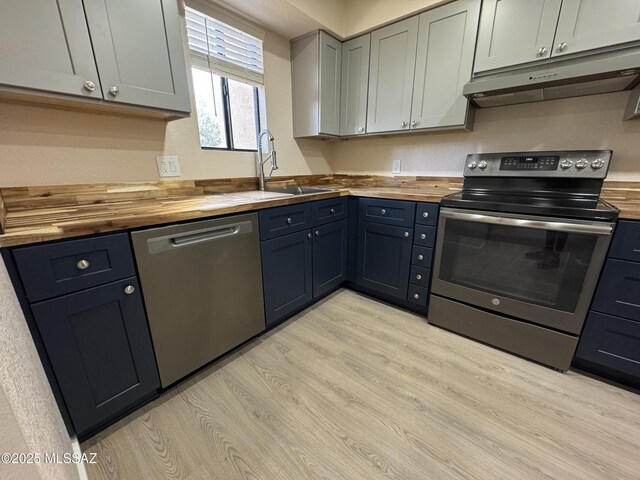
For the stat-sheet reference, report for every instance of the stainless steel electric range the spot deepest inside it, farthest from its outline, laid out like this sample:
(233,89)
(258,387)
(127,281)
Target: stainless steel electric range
(519,251)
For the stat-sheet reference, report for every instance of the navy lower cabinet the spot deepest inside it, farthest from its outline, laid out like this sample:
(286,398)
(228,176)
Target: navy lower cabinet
(286,275)
(384,258)
(330,249)
(610,342)
(99,346)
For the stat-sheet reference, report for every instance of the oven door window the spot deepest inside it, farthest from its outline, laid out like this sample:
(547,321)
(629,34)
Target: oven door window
(539,267)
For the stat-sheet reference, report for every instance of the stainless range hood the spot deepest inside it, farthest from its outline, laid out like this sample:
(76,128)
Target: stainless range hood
(604,72)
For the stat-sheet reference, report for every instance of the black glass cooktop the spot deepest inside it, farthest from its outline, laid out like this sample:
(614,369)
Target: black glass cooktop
(569,206)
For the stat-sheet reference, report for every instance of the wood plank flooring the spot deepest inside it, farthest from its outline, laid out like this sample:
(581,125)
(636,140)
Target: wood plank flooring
(355,389)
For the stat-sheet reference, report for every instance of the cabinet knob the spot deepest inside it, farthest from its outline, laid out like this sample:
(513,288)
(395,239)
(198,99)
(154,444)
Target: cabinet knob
(562,47)
(542,51)
(416,296)
(414,123)
(420,257)
(308,235)
(129,289)
(289,221)
(332,211)
(425,214)
(82,264)
(406,234)
(89,86)
(423,236)
(383,212)
(418,277)
(360,129)
(317,233)
(113,90)
(403,124)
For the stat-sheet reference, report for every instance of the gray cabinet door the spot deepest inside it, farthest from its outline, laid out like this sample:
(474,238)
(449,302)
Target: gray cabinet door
(515,31)
(444,62)
(330,65)
(139,52)
(588,24)
(355,85)
(45,45)
(393,59)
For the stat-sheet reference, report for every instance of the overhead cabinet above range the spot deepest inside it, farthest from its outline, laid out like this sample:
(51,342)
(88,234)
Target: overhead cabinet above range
(104,51)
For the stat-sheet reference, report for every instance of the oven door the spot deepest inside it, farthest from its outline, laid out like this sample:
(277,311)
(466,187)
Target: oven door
(539,269)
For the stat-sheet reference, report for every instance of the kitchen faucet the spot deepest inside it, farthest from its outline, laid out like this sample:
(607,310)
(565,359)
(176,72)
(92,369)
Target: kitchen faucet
(271,149)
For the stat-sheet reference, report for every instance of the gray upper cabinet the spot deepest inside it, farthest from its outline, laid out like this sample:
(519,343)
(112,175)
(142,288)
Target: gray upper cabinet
(589,24)
(393,59)
(444,63)
(355,84)
(139,52)
(513,32)
(316,62)
(45,45)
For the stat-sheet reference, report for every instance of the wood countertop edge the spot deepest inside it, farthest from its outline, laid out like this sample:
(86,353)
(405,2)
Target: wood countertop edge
(75,228)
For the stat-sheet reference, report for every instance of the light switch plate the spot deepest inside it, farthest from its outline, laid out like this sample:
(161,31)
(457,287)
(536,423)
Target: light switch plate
(168,166)
(395,166)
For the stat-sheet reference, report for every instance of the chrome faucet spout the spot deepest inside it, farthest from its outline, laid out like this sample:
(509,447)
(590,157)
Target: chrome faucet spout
(261,160)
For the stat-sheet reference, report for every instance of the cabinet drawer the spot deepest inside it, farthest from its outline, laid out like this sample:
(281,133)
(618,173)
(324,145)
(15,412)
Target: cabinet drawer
(424,236)
(417,295)
(422,256)
(55,269)
(420,276)
(427,213)
(284,220)
(619,290)
(610,345)
(626,241)
(391,212)
(325,211)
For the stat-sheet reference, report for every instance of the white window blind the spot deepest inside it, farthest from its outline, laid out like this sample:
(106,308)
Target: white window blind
(225,50)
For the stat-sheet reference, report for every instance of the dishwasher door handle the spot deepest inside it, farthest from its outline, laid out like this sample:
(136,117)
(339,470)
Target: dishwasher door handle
(196,237)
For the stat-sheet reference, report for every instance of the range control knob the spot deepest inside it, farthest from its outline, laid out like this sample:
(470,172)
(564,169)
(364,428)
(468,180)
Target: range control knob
(472,165)
(482,165)
(597,163)
(582,163)
(566,163)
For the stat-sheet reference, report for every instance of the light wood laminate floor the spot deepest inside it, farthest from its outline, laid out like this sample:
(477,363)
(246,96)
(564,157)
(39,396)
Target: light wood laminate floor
(355,389)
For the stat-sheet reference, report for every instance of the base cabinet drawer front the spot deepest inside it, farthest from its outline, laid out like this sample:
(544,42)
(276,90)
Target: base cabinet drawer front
(424,236)
(330,249)
(611,343)
(626,241)
(58,268)
(286,275)
(390,212)
(278,221)
(618,292)
(331,210)
(383,258)
(420,276)
(418,295)
(100,349)
(422,256)
(427,213)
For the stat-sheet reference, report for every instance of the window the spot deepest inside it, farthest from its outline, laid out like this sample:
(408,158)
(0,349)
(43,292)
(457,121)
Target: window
(228,75)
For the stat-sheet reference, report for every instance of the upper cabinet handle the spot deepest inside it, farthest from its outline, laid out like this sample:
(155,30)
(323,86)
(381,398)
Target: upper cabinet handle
(562,47)
(542,52)
(89,86)
(403,124)
(113,90)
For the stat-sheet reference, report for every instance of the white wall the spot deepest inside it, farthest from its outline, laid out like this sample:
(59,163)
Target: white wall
(579,123)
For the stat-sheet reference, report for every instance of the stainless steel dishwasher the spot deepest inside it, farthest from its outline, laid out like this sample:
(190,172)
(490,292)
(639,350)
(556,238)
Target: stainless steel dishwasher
(202,285)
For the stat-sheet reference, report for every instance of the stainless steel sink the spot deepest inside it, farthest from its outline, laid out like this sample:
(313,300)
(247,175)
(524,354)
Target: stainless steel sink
(300,190)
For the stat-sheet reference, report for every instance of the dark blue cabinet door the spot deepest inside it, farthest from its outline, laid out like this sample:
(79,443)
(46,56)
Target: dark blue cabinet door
(619,290)
(286,275)
(100,349)
(611,346)
(329,257)
(384,258)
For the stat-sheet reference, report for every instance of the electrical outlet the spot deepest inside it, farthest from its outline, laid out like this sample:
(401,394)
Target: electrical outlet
(168,166)
(395,166)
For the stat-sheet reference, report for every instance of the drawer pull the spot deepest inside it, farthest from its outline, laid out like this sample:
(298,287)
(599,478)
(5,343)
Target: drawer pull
(423,236)
(416,296)
(383,212)
(420,257)
(406,234)
(289,221)
(418,277)
(332,211)
(129,289)
(425,214)
(308,235)
(317,233)
(82,264)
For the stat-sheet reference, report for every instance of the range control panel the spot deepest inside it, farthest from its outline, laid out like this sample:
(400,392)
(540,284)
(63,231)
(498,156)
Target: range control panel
(570,164)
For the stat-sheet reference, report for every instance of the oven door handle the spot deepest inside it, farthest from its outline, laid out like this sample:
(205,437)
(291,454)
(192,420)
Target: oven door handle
(537,224)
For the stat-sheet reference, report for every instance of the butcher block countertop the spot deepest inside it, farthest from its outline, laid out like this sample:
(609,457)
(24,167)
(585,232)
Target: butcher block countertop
(37,214)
